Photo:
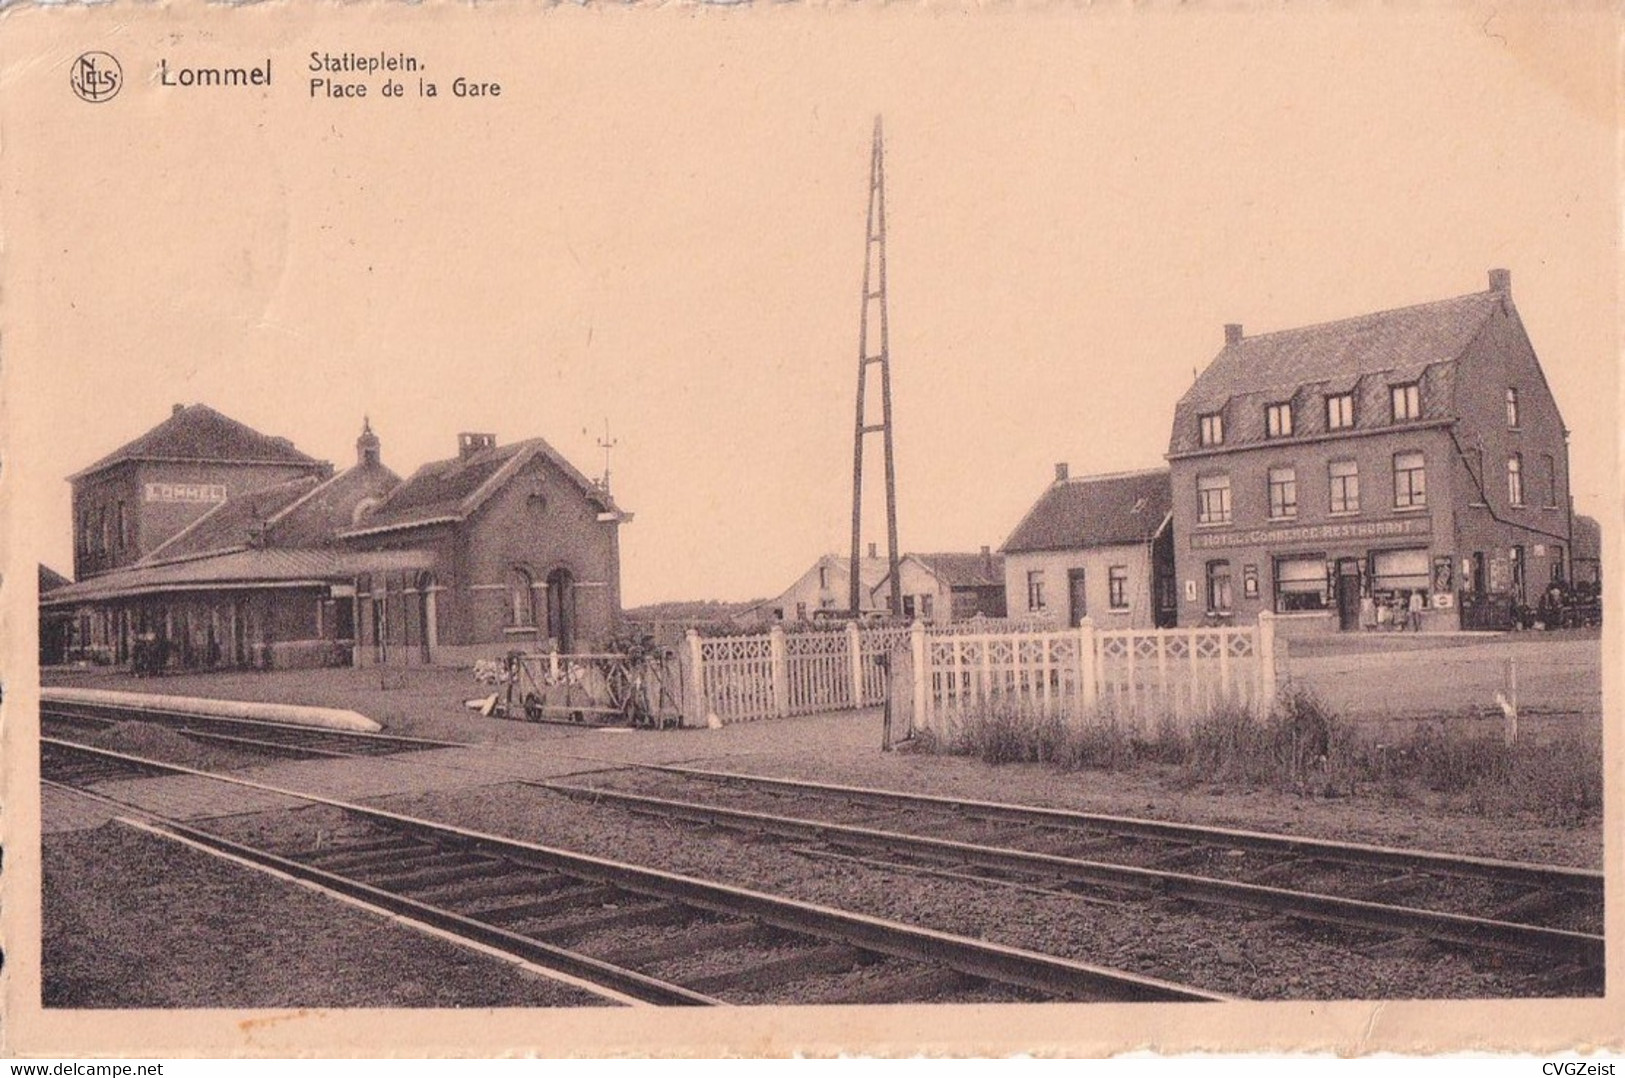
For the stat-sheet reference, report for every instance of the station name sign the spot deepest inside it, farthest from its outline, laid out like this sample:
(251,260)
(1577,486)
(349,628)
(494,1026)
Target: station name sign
(1314,533)
(185,492)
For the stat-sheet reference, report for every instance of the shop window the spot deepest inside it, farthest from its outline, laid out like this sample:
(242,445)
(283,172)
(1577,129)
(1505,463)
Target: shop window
(1212,429)
(1410,481)
(1218,587)
(1117,587)
(1512,408)
(1283,493)
(1340,411)
(1515,480)
(1300,584)
(1551,481)
(1278,420)
(1344,480)
(1400,571)
(1213,499)
(1035,590)
(1407,401)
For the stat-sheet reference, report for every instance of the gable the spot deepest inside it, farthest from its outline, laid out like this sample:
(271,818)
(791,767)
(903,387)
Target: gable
(199,433)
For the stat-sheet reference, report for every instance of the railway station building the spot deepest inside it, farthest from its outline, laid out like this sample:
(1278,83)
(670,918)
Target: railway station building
(215,556)
(1331,473)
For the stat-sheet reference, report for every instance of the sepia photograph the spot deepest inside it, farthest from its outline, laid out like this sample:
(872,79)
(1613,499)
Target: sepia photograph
(961,530)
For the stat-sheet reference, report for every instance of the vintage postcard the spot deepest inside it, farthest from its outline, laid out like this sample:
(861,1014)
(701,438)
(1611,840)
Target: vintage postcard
(767,529)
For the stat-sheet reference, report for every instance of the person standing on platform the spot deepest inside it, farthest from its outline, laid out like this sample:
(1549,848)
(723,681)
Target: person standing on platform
(1416,611)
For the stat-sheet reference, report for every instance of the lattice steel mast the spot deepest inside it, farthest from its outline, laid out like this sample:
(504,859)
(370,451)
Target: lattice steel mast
(874,295)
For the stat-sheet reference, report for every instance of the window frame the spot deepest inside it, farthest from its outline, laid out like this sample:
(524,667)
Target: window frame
(1210,429)
(1210,577)
(1416,493)
(1204,516)
(1334,411)
(1513,413)
(1515,490)
(1278,420)
(1035,591)
(1288,486)
(1117,587)
(1410,393)
(1337,485)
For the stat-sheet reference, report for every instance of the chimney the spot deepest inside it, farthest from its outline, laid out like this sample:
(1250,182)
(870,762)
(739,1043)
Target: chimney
(987,561)
(177,409)
(1232,333)
(469,443)
(1501,281)
(1060,471)
(367,446)
(874,550)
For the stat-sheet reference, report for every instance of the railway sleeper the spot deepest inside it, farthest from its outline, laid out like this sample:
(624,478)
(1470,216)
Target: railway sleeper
(322,846)
(512,880)
(783,970)
(705,936)
(424,878)
(339,859)
(933,983)
(647,912)
(537,884)
(582,895)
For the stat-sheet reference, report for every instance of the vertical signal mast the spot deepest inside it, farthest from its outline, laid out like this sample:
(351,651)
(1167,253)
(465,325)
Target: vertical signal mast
(873,351)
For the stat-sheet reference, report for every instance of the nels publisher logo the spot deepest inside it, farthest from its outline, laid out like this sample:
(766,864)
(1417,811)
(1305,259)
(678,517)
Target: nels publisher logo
(96,77)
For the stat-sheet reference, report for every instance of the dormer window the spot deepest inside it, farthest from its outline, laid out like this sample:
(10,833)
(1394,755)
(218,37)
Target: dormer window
(1212,429)
(1340,411)
(1407,400)
(1278,420)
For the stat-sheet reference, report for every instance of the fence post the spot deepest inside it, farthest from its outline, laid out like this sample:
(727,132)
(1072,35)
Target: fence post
(1267,677)
(781,672)
(854,645)
(919,720)
(694,685)
(1088,686)
(1509,703)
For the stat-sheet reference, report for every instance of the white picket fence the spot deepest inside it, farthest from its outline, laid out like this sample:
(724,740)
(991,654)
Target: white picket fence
(1133,674)
(959,671)
(778,674)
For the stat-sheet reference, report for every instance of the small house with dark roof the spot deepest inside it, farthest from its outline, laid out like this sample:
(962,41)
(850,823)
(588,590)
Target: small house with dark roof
(1096,546)
(1331,473)
(826,586)
(940,588)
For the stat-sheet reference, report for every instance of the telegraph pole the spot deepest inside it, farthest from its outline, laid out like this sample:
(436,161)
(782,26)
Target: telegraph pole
(874,297)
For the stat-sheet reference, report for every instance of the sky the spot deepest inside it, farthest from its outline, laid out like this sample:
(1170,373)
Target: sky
(660,224)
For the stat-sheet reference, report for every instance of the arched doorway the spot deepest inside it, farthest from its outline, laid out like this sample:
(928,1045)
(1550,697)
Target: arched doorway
(561,609)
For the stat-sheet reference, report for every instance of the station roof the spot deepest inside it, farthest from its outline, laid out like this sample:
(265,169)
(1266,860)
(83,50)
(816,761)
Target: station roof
(240,569)
(199,433)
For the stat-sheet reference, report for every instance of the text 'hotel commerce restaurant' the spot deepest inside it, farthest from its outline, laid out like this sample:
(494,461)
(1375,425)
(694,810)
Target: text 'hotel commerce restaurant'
(1329,474)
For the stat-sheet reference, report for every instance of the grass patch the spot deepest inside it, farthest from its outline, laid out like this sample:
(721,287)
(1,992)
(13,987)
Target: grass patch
(1303,746)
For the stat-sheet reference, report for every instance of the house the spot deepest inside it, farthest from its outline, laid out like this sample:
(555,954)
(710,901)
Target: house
(826,586)
(500,548)
(140,495)
(1329,473)
(524,553)
(1097,546)
(940,588)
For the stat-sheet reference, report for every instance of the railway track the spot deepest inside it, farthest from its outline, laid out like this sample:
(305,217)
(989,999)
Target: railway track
(1550,911)
(254,735)
(639,934)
